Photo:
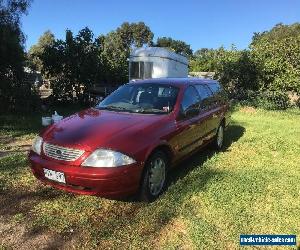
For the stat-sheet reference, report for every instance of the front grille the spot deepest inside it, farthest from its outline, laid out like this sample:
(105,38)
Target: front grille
(62,153)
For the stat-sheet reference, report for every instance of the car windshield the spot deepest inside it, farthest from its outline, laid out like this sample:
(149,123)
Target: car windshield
(141,98)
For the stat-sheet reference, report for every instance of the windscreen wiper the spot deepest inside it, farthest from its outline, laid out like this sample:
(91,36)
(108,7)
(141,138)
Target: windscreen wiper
(156,111)
(111,107)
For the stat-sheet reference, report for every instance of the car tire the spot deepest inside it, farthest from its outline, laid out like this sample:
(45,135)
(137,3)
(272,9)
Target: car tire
(154,177)
(219,138)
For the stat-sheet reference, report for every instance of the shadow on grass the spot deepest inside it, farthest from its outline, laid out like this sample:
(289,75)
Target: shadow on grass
(20,125)
(233,133)
(22,201)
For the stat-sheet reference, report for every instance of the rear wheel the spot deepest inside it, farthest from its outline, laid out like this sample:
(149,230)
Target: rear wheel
(219,139)
(154,178)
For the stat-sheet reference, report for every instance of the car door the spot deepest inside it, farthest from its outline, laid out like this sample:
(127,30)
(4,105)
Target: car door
(189,124)
(207,110)
(217,110)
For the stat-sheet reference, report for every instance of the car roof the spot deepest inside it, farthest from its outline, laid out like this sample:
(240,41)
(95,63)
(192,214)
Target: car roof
(182,81)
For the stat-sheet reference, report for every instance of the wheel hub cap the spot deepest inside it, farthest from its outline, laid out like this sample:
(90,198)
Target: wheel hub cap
(157,176)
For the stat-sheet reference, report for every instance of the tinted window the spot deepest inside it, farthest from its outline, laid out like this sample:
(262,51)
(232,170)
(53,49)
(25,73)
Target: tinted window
(215,87)
(190,101)
(205,95)
(203,91)
(220,95)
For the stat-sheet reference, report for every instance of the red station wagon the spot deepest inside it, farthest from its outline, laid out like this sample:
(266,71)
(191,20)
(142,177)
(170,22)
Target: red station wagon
(127,143)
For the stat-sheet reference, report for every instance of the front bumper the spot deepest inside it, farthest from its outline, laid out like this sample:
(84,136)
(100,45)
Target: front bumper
(118,182)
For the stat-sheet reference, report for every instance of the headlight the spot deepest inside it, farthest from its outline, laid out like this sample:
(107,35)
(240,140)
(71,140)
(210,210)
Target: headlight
(102,158)
(37,145)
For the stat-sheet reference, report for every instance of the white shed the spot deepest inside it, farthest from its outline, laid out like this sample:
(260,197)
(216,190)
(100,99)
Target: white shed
(156,62)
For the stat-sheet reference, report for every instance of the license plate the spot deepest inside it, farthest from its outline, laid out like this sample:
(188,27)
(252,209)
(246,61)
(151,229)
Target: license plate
(54,175)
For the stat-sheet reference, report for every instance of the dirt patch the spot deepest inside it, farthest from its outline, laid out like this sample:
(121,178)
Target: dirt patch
(249,110)
(11,145)
(175,231)
(17,236)
(16,233)
(294,98)
(23,143)
(6,139)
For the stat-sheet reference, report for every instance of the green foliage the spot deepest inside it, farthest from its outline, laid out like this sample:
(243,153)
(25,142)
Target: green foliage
(205,60)
(278,32)
(271,67)
(278,62)
(177,46)
(36,51)
(233,68)
(11,39)
(273,100)
(15,94)
(72,65)
(270,100)
(116,49)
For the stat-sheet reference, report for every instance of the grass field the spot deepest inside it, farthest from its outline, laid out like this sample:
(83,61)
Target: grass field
(251,187)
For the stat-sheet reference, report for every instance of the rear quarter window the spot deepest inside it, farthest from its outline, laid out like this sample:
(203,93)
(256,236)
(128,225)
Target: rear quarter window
(205,95)
(218,92)
(215,87)
(203,91)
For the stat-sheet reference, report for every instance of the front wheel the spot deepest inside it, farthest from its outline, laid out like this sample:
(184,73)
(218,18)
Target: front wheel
(154,177)
(219,139)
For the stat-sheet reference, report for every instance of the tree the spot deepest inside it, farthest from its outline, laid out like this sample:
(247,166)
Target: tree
(11,36)
(12,54)
(73,65)
(272,62)
(36,51)
(117,45)
(204,60)
(177,46)
(276,54)
(78,62)
(278,32)
(234,68)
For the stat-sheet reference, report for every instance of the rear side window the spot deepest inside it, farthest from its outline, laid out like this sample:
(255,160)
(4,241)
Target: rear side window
(215,87)
(220,94)
(203,91)
(190,101)
(205,95)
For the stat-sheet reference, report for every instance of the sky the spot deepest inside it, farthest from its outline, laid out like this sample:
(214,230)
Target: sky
(202,24)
